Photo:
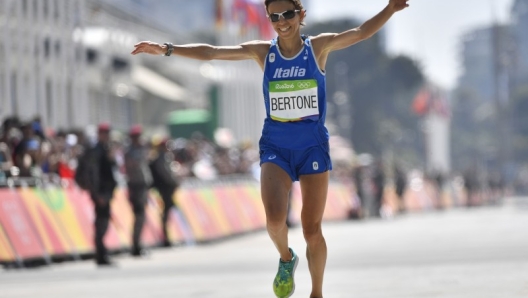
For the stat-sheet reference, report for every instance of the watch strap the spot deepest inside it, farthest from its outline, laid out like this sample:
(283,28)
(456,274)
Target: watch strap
(170,48)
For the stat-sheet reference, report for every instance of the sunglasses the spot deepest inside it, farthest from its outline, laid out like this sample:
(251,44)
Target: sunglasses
(287,15)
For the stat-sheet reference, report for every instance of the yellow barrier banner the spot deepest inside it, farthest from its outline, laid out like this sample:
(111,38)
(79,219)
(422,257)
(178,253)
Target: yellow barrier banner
(200,211)
(64,212)
(19,227)
(54,239)
(7,254)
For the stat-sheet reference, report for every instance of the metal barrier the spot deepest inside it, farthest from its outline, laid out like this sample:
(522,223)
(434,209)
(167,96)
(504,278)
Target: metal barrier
(50,219)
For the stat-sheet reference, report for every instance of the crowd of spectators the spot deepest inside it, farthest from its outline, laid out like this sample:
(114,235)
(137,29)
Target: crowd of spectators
(31,154)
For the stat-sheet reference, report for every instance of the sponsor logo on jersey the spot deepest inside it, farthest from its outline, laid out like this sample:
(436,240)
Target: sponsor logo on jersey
(272,57)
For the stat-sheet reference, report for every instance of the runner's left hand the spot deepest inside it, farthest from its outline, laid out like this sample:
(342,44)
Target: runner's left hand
(398,5)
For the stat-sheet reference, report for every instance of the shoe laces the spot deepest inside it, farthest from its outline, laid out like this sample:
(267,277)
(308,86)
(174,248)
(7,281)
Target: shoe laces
(285,269)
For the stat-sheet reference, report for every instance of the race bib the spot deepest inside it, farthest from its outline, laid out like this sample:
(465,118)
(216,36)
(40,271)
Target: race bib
(293,100)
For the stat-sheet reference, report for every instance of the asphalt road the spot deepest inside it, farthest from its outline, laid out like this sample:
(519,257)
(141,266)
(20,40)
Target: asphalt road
(458,253)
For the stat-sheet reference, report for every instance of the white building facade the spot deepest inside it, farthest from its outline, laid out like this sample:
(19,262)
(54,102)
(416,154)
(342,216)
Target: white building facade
(69,62)
(40,66)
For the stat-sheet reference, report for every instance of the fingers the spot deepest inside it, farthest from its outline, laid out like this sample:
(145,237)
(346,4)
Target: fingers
(402,3)
(142,47)
(140,43)
(137,48)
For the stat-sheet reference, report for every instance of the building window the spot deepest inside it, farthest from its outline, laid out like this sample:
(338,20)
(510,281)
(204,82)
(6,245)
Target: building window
(49,99)
(13,11)
(76,13)
(78,54)
(91,56)
(69,103)
(14,93)
(57,48)
(45,8)
(56,10)
(35,10)
(36,50)
(119,64)
(25,8)
(47,46)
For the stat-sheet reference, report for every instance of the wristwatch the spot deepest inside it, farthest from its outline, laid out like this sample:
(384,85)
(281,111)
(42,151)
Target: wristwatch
(170,48)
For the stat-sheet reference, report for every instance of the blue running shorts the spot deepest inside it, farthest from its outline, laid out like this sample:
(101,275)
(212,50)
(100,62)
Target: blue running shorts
(313,160)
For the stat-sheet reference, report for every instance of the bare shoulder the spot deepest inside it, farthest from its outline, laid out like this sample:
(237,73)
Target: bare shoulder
(320,41)
(259,48)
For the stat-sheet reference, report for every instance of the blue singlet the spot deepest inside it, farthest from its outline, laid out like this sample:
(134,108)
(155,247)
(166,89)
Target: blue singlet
(295,99)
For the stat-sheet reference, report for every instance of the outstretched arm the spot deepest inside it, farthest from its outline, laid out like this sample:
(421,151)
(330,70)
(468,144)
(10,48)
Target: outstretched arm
(328,42)
(249,50)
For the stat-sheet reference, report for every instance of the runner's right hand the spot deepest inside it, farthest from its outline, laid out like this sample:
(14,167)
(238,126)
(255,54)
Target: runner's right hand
(149,47)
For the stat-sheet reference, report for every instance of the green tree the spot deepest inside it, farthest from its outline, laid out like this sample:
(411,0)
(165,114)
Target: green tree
(374,91)
(519,109)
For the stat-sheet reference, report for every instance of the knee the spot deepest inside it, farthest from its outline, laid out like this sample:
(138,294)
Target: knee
(276,225)
(312,233)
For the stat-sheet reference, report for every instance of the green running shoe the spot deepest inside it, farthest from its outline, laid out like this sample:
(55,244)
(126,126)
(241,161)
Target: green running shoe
(284,284)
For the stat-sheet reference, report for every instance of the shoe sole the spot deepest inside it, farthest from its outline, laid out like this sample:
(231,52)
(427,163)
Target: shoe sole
(293,276)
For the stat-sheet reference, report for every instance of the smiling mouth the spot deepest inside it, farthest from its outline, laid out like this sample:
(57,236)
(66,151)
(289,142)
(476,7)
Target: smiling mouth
(284,29)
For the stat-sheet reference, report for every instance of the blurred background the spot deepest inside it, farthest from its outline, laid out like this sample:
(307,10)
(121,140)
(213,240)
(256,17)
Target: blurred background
(442,90)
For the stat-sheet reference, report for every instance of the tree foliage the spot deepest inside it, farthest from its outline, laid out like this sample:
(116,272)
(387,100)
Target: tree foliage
(519,107)
(375,92)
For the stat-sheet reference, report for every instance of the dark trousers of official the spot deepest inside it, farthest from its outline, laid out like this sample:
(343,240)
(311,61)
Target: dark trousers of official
(167,195)
(138,195)
(102,219)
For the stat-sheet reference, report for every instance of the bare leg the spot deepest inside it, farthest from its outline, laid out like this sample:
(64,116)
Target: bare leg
(275,186)
(314,190)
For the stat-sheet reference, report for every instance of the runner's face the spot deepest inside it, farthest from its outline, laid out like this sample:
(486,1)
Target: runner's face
(285,27)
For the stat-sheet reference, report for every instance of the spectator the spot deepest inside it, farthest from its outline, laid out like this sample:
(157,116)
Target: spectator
(359,178)
(379,187)
(27,152)
(165,182)
(5,163)
(139,180)
(471,186)
(38,129)
(102,186)
(400,181)
(10,133)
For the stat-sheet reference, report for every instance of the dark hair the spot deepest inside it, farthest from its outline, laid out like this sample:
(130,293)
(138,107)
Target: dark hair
(297,3)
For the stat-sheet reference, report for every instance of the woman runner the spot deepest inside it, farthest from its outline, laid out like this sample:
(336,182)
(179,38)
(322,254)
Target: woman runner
(294,142)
